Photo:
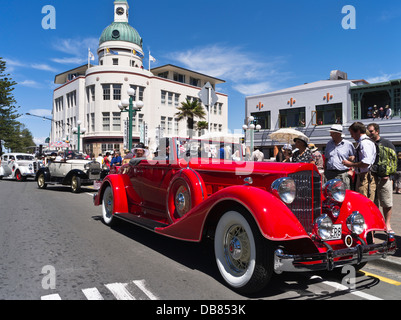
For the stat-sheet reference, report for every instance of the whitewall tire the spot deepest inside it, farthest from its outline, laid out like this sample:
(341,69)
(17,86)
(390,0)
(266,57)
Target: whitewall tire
(107,207)
(243,256)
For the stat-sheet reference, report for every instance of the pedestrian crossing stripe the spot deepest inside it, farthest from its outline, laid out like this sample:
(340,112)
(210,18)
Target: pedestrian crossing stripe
(121,291)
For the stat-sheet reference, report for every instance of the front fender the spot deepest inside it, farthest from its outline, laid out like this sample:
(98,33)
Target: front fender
(46,173)
(274,219)
(354,201)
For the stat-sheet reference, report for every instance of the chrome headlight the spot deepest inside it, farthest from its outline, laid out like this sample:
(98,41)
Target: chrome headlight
(323,227)
(356,223)
(285,189)
(335,190)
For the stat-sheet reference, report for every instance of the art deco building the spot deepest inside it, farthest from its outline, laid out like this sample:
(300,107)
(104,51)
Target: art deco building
(89,95)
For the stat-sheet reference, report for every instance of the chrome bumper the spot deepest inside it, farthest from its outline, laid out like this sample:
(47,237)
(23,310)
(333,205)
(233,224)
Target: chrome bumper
(333,258)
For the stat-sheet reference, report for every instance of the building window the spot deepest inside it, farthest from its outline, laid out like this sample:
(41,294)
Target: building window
(106,121)
(116,121)
(329,114)
(92,122)
(59,104)
(72,99)
(179,77)
(176,127)
(90,93)
(163,124)
(176,100)
(115,62)
(163,75)
(117,92)
(163,97)
(292,117)
(106,91)
(170,126)
(194,82)
(170,99)
(263,119)
(141,91)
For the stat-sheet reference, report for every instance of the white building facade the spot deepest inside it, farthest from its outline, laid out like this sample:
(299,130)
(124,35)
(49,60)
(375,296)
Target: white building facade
(90,95)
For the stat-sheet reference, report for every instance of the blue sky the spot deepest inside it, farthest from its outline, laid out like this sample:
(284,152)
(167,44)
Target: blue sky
(256,46)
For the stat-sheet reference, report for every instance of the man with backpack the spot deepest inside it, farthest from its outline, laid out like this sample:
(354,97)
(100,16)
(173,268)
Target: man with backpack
(365,155)
(385,166)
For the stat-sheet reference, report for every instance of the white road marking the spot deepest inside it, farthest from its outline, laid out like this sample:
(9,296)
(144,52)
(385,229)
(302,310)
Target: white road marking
(92,294)
(51,297)
(141,285)
(119,290)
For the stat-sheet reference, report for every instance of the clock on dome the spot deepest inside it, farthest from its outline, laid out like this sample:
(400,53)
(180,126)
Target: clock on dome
(120,11)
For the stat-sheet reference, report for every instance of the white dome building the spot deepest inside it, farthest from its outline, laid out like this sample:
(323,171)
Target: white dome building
(89,96)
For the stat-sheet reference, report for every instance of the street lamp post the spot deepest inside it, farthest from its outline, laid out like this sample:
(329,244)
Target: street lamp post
(251,126)
(133,108)
(78,131)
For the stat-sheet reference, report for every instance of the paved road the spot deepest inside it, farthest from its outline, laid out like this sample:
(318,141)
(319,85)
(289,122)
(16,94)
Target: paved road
(53,245)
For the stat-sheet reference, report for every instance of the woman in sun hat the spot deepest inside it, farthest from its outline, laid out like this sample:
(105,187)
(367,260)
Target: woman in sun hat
(303,154)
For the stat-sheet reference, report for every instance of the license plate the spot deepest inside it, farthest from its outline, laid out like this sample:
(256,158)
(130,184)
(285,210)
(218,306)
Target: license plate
(96,185)
(336,232)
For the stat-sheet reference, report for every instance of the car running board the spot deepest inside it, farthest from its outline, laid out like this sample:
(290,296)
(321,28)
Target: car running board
(141,221)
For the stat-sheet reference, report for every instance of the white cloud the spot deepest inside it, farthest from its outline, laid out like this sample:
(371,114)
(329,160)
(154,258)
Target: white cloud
(73,60)
(41,112)
(42,66)
(30,83)
(247,73)
(77,48)
(383,77)
(254,88)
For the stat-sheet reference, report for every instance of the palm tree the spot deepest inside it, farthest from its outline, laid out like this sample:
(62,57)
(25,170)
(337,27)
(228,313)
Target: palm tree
(201,126)
(189,110)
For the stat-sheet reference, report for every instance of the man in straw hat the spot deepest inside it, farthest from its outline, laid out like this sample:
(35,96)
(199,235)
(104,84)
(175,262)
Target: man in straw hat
(337,150)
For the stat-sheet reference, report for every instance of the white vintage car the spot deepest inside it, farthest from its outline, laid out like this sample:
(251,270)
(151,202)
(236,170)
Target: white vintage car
(74,172)
(18,166)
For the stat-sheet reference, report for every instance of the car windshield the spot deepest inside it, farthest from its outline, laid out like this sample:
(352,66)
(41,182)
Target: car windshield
(197,148)
(25,157)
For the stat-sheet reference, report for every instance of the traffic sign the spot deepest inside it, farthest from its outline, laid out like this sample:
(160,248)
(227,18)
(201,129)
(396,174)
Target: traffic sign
(207,95)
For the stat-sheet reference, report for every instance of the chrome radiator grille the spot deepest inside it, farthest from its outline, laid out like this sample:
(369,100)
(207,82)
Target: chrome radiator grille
(307,204)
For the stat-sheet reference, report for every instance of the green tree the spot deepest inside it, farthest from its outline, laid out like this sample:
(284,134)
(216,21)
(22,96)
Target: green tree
(21,140)
(201,126)
(9,126)
(189,110)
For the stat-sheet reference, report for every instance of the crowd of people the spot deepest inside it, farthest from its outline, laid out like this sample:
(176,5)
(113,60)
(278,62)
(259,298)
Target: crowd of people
(379,113)
(357,166)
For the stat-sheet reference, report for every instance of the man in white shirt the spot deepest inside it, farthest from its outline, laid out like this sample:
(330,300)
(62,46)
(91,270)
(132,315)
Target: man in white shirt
(365,156)
(337,150)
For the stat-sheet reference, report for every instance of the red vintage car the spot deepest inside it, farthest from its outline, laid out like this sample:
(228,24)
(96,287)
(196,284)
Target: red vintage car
(263,217)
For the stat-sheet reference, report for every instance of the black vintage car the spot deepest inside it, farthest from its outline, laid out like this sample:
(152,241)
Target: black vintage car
(71,172)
